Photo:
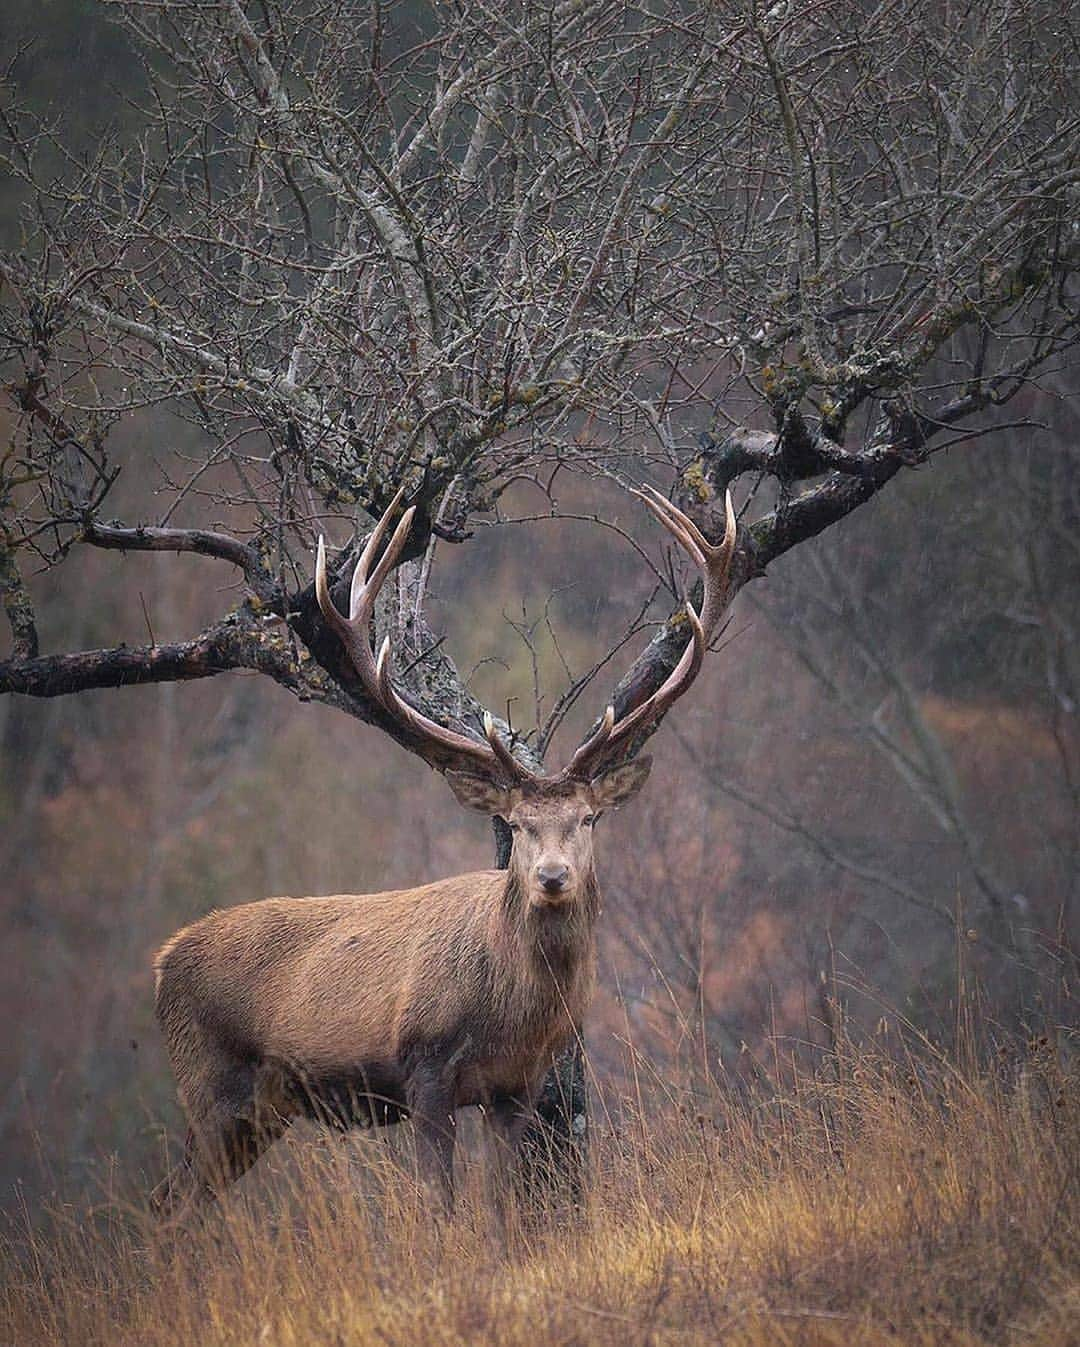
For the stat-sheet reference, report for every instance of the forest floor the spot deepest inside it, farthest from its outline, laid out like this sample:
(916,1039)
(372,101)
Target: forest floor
(885,1194)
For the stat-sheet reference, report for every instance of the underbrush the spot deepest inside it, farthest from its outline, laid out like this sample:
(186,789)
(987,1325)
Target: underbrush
(874,1196)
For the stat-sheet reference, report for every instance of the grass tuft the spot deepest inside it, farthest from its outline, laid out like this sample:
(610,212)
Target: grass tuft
(873,1197)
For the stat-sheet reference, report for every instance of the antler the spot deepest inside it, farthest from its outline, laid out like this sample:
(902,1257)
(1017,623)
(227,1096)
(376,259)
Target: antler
(493,759)
(714,561)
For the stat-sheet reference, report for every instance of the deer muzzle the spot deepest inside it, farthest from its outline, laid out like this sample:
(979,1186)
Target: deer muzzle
(552,878)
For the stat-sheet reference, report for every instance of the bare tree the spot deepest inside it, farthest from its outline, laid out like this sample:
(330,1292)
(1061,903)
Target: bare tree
(354,245)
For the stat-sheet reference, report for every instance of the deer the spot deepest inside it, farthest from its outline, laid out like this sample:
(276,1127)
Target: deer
(364,1010)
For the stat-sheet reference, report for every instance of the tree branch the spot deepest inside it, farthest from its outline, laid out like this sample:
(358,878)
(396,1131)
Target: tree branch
(17,605)
(231,644)
(221,545)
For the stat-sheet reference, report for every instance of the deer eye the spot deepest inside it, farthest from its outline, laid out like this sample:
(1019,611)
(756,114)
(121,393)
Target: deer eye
(589,820)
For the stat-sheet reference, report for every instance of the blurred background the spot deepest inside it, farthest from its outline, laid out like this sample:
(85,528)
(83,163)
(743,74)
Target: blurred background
(864,794)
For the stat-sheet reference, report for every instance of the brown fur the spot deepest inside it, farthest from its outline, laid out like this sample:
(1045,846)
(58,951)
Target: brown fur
(366,1008)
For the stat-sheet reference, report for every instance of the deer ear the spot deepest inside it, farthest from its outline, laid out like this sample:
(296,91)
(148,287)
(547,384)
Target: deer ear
(475,792)
(616,787)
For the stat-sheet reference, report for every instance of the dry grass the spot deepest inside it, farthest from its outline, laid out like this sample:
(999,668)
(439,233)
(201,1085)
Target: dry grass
(879,1198)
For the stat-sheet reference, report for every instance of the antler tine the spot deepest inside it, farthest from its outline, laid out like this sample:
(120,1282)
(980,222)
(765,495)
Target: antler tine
(363,566)
(369,591)
(719,571)
(591,747)
(677,524)
(714,559)
(502,752)
(488,758)
(674,685)
(707,554)
(726,543)
(327,605)
(352,631)
(599,748)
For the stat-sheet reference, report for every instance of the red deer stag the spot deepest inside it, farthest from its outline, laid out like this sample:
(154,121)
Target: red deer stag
(366,1009)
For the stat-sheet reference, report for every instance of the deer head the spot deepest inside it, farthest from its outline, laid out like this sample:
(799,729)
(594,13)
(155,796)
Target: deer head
(552,826)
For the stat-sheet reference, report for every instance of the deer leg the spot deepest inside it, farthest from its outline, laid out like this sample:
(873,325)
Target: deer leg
(430,1098)
(216,1154)
(507,1118)
(225,1149)
(233,1120)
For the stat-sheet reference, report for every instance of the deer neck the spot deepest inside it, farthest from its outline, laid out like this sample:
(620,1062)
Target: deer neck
(548,940)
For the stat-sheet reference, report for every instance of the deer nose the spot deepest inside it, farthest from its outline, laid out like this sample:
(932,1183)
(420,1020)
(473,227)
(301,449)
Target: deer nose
(552,877)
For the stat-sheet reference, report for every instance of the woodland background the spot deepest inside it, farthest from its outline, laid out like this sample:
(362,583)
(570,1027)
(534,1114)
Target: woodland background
(861,789)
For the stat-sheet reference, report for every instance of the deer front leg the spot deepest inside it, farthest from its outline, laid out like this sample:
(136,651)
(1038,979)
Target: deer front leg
(507,1116)
(430,1098)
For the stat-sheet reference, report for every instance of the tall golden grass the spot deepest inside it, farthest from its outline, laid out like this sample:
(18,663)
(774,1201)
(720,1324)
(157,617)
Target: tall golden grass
(880,1192)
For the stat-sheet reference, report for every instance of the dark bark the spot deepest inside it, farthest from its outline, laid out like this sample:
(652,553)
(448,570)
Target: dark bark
(794,456)
(202,541)
(805,517)
(231,645)
(554,1149)
(17,605)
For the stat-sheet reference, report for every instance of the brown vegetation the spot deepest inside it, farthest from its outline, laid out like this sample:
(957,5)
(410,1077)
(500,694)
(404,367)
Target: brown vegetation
(876,1196)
